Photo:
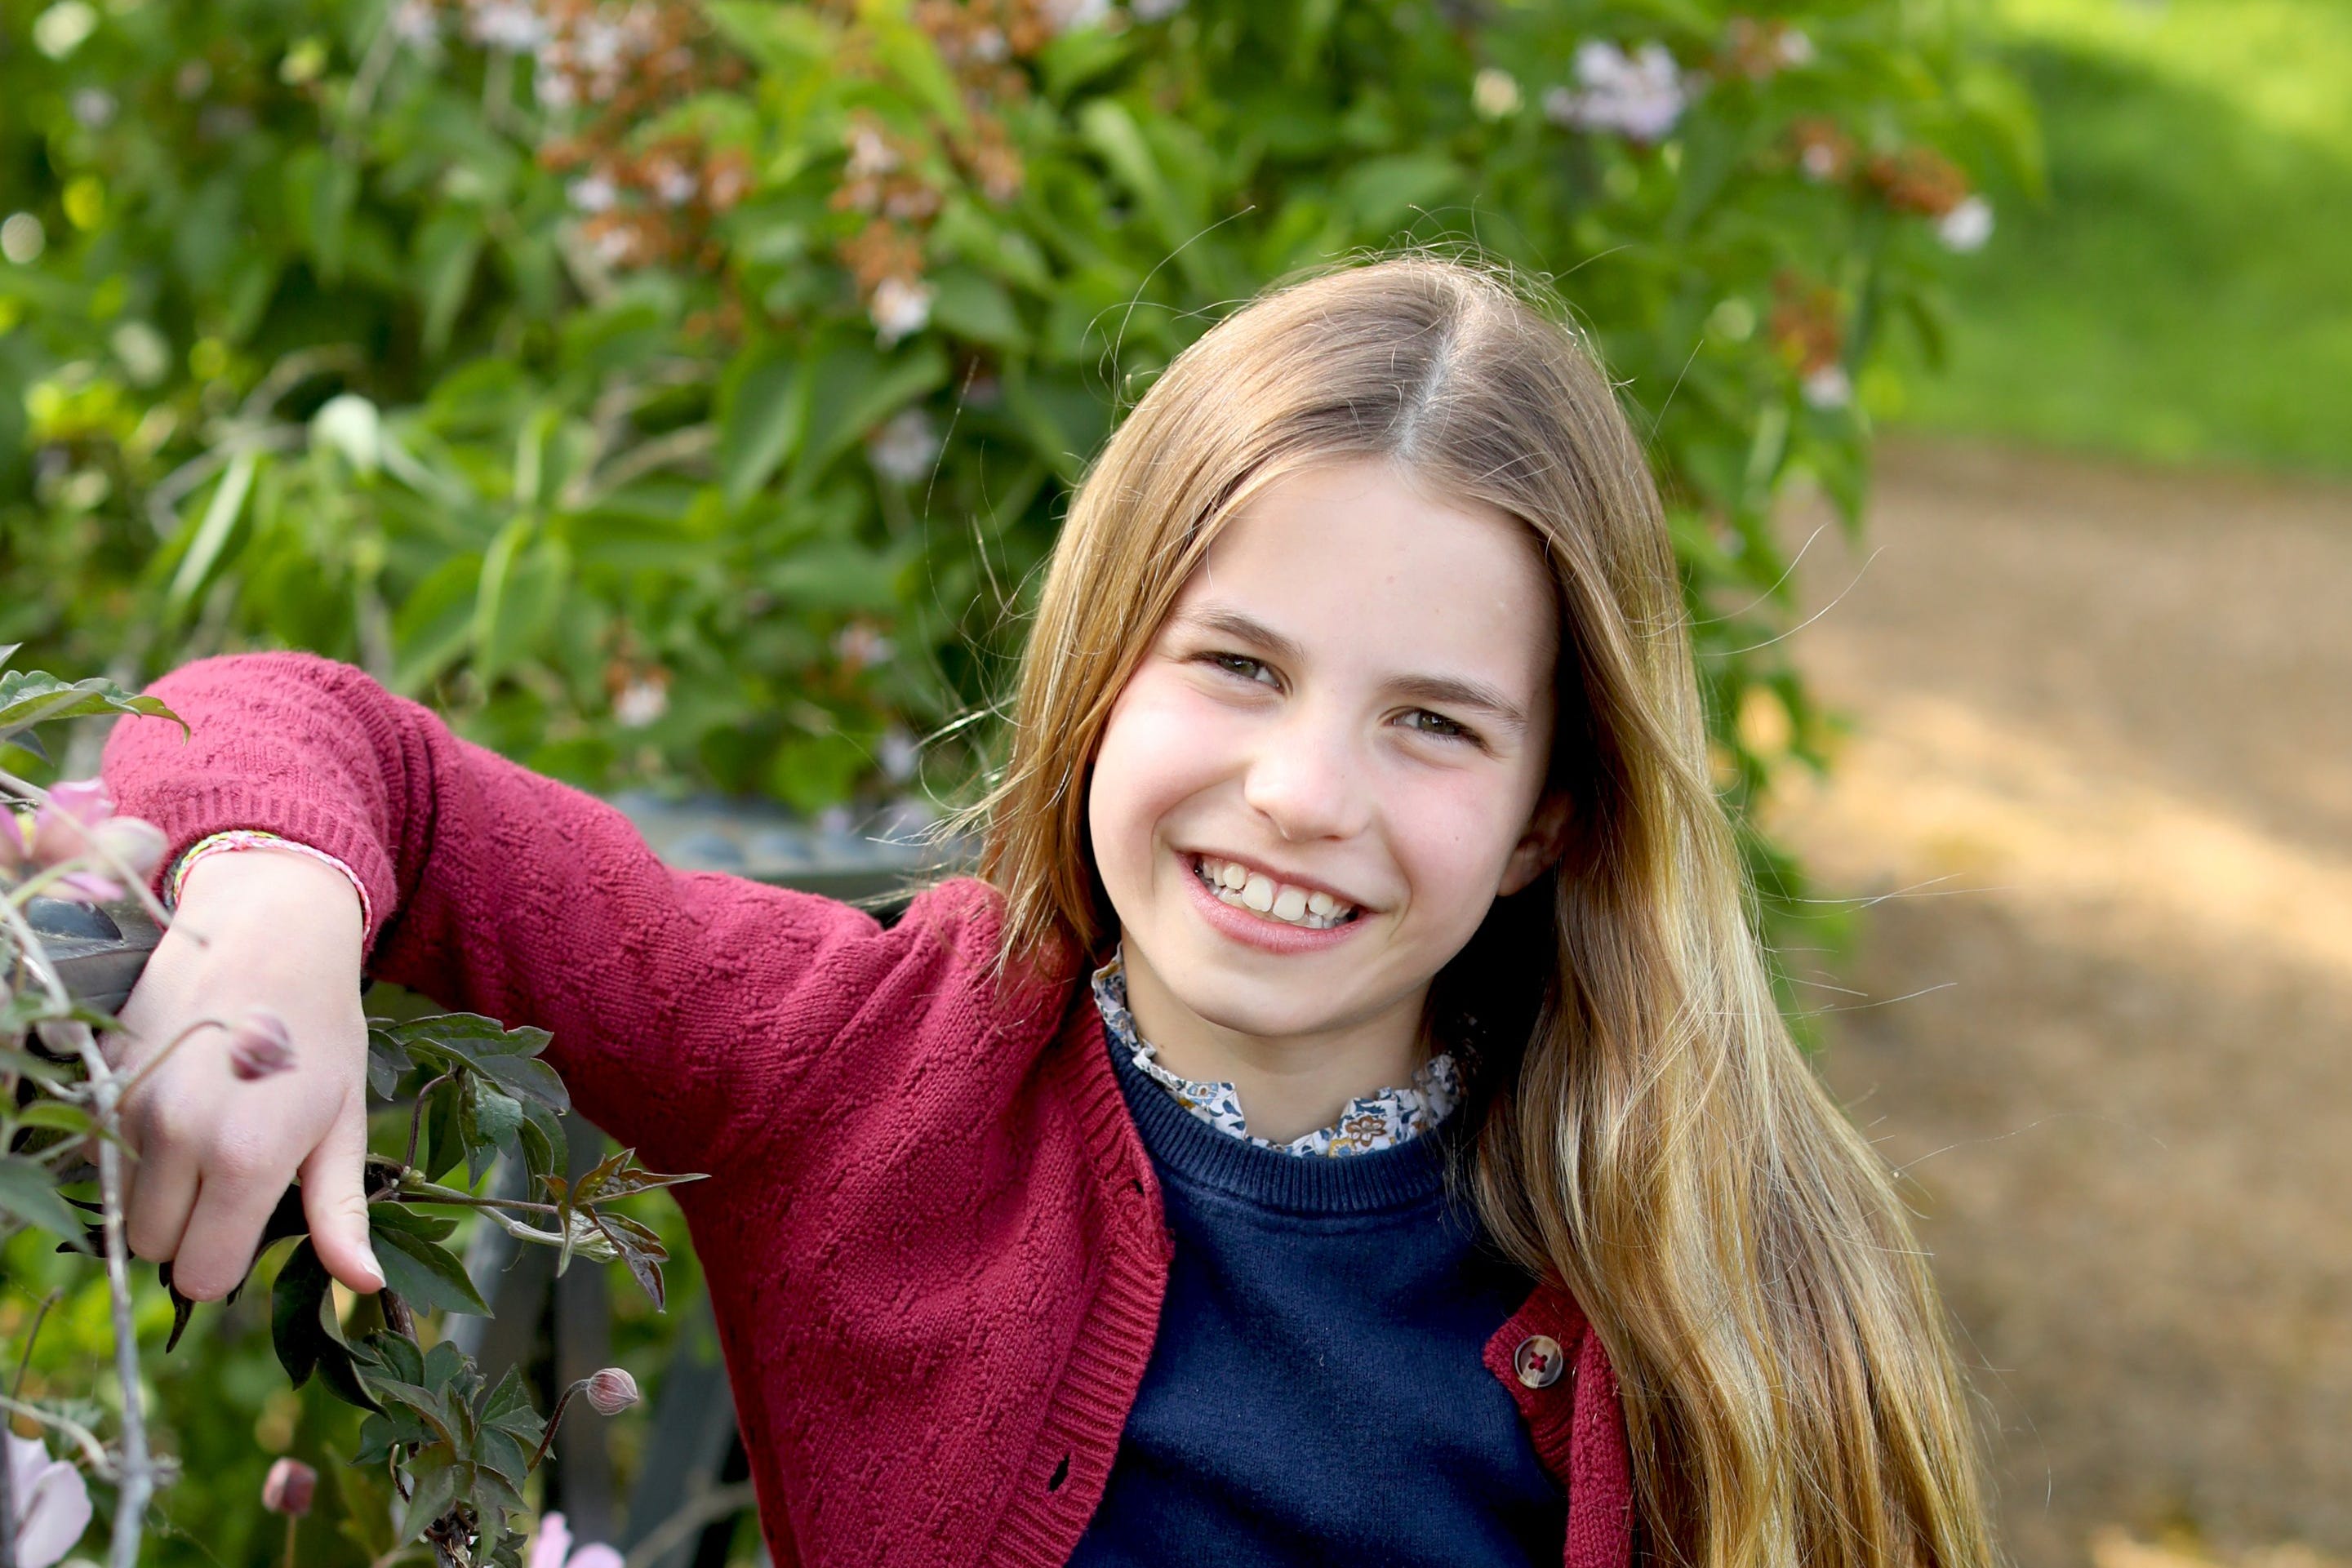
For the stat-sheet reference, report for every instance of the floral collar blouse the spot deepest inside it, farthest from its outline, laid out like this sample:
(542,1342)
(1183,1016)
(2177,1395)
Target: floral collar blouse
(1369,1121)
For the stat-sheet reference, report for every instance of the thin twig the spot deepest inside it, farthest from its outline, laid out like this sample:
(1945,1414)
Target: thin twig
(137,1483)
(699,1513)
(84,1439)
(416,1118)
(25,1364)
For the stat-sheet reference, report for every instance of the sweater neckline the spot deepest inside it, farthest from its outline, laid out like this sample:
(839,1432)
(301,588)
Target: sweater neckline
(1404,1175)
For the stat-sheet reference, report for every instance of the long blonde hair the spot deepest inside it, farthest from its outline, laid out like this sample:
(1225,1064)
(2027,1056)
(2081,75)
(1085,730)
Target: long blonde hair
(1647,1133)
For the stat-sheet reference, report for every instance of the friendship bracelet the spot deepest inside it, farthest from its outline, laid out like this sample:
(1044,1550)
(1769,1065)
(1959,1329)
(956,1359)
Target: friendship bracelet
(259,838)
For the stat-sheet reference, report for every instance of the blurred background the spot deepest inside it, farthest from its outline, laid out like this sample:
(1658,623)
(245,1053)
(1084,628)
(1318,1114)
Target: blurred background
(679,395)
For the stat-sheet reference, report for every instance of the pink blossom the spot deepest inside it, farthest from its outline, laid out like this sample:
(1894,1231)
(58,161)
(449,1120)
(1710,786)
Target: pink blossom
(289,1489)
(612,1391)
(52,1503)
(551,1548)
(261,1045)
(59,827)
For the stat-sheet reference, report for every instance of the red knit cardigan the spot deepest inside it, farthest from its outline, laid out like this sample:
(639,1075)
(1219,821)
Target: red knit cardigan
(933,1238)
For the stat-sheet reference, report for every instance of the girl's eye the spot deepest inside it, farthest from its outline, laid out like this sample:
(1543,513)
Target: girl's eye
(1420,721)
(1245,667)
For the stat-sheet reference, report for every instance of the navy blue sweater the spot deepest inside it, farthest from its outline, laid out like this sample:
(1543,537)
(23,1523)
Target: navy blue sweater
(1316,1393)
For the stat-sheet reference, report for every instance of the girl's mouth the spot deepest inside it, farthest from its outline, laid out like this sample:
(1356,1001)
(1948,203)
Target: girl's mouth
(1230,881)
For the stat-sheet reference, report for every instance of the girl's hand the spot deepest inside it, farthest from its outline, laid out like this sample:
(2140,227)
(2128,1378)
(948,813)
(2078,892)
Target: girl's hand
(215,1152)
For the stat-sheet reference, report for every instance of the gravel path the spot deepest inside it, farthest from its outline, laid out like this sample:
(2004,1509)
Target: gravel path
(2102,747)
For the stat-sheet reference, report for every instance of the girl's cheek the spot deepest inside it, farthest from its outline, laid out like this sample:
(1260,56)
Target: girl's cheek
(1454,834)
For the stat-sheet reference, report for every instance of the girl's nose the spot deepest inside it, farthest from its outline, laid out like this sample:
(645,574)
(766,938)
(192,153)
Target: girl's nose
(1308,782)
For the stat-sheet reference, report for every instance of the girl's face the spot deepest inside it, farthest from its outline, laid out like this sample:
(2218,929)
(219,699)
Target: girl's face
(1332,759)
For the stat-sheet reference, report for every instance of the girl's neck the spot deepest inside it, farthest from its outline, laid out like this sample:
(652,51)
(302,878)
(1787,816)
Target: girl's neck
(1288,1085)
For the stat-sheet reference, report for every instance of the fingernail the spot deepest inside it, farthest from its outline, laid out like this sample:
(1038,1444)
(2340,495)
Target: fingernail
(374,1270)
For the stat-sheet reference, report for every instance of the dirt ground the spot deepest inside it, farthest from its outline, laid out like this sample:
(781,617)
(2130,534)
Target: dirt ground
(2100,780)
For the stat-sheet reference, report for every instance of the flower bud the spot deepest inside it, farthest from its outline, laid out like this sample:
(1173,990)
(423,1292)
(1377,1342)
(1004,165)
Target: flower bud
(59,826)
(15,839)
(137,843)
(288,1490)
(88,887)
(612,1391)
(260,1046)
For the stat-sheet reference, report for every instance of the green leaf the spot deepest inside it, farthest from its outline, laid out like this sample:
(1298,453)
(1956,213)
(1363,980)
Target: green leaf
(433,627)
(620,1176)
(526,1077)
(974,305)
(1381,194)
(387,1063)
(212,533)
(29,697)
(301,1329)
(853,388)
(545,1144)
(437,1477)
(489,1119)
(426,1274)
(763,410)
(448,249)
(29,1191)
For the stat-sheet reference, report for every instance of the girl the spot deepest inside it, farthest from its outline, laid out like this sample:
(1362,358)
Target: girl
(1346,1119)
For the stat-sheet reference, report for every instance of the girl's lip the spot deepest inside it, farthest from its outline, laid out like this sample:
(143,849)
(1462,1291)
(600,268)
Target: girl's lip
(1254,930)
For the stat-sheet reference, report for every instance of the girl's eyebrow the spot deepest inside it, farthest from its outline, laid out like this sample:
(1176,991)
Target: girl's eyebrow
(1447,691)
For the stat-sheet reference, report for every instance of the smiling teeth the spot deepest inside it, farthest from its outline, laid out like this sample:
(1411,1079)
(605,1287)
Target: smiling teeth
(1238,885)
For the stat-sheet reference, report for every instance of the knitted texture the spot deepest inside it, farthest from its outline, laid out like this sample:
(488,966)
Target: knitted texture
(934,1239)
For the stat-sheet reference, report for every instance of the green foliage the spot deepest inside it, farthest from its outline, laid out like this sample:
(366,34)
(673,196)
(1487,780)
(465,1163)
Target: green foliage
(2179,295)
(717,440)
(456,1449)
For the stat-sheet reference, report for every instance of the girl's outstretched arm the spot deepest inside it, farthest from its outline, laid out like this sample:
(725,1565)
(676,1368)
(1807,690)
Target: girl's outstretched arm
(676,999)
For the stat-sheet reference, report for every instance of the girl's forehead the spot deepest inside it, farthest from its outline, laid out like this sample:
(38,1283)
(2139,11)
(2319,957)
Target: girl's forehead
(1358,554)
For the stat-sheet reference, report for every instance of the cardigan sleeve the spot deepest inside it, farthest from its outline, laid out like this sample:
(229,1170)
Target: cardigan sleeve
(681,1003)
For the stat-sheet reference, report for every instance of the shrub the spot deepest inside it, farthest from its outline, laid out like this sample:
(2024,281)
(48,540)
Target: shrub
(685,390)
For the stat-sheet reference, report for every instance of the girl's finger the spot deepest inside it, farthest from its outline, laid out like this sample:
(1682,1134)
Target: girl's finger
(160,1192)
(225,1229)
(334,1200)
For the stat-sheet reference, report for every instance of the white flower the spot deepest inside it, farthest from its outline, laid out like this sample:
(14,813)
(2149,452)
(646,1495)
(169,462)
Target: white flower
(1829,387)
(351,425)
(417,24)
(511,25)
(1819,161)
(899,307)
(902,449)
(616,246)
(1154,10)
(674,183)
(642,701)
(869,153)
(62,28)
(145,353)
(860,646)
(1640,95)
(1967,227)
(1494,94)
(1068,15)
(93,108)
(592,194)
(552,87)
(599,44)
(22,238)
(1795,49)
(900,753)
(52,1503)
(989,44)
